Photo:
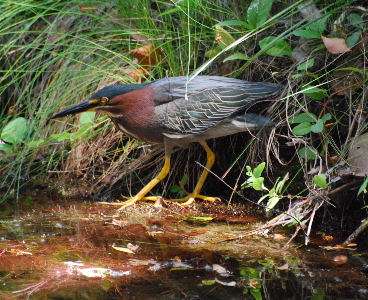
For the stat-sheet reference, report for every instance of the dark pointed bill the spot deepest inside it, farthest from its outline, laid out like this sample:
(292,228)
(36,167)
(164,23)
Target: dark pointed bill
(87,105)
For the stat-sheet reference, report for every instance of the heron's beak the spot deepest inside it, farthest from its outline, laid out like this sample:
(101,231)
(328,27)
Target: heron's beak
(88,105)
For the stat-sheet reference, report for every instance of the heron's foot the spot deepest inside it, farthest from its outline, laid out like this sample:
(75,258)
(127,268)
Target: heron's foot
(190,198)
(131,201)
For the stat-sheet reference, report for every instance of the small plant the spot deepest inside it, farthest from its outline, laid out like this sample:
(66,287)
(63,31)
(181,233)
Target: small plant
(88,123)
(307,123)
(13,134)
(179,189)
(256,181)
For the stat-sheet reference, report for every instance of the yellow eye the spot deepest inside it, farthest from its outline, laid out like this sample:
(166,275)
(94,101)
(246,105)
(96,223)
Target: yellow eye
(104,100)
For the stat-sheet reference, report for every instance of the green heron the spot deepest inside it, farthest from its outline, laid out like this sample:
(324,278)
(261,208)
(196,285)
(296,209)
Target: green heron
(177,111)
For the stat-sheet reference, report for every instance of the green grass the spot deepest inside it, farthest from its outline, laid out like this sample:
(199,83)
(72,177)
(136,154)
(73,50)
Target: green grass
(55,54)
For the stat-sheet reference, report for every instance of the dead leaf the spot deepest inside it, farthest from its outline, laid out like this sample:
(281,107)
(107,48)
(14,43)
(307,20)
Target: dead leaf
(358,155)
(220,270)
(94,272)
(335,45)
(160,202)
(81,7)
(140,262)
(283,267)
(11,110)
(194,233)
(147,55)
(122,249)
(278,236)
(132,247)
(138,74)
(19,252)
(231,283)
(223,38)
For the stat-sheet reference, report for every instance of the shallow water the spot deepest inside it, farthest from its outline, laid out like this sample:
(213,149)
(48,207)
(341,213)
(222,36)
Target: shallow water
(88,251)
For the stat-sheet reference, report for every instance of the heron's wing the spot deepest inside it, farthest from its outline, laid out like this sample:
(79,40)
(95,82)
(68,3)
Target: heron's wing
(192,107)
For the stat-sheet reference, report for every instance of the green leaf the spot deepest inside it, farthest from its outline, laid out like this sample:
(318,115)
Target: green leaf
(351,69)
(200,219)
(320,180)
(223,38)
(313,92)
(249,171)
(81,131)
(184,180)
(353,39)
(304,117)
(212,53)
(209,282)
(318,127)
(272,203)
(356,20)
(171,11)
(307,153)
(302,128)
(15,131)
(6,148)
(275,47)
(280,185)
(312,34)
(61,136)
(35,143)
(258,12)
(175,189)
(87,117)
(232,23)
(237,55)
(320,27)
(256,293)
(305,65)
(319,294)
(363,186)
(326,117)
(259,169)
(258,184)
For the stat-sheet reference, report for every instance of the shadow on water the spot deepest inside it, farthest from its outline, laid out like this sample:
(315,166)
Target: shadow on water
(85,251)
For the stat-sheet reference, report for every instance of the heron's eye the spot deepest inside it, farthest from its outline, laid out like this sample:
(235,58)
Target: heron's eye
(104,100)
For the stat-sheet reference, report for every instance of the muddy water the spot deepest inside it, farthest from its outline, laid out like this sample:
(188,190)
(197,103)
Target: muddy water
(87,251)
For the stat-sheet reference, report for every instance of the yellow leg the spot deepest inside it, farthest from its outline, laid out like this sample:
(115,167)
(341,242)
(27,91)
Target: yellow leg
(190,198)
(140,196)
(163,173)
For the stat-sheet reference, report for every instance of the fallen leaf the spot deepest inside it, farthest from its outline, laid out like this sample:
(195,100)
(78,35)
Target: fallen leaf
(140,262)
(81,7)
(335,45)
(358,154)
(132,247)
(194,233)
(138,74)
(220,270)
(147,55)
(122,249)
(94,272)
(283,267)
(230,283)
(19,252)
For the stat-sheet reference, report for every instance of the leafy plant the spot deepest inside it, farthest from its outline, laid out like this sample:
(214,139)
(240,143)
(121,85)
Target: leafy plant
(179,189)
(256,181)
(13,134)
(320,181)
(308,122)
